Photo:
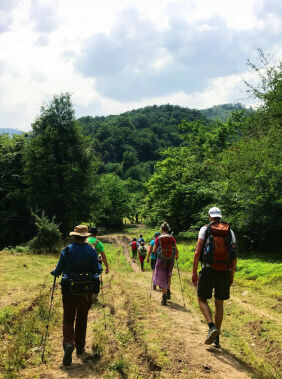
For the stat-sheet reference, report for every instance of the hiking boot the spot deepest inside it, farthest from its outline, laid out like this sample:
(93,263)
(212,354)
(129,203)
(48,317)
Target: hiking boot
(213,332)
(155,288)
(164,299)
(216,342)
(67,355)
(168,294)
(80,350)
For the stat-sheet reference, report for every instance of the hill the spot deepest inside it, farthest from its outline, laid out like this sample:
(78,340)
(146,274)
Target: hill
(129,144)
(223,112)
(10,131)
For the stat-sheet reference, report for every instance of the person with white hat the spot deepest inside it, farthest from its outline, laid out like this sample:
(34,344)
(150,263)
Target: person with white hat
(80,271)
(216,250)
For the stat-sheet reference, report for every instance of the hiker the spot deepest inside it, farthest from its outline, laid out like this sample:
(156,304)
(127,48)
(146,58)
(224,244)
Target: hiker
(134,247)
(152,255)
(166,250)
(98,246)
(142,251)
(80,271)
(216,249)
(139,240)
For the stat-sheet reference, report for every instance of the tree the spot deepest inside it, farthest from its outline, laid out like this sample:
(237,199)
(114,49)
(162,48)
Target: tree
(16,221)
(111,201)
(58,165)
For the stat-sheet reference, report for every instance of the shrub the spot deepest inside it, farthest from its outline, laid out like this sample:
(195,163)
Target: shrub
(48,238)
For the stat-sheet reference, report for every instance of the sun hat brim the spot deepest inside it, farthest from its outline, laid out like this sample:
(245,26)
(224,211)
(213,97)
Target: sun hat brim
(80,234)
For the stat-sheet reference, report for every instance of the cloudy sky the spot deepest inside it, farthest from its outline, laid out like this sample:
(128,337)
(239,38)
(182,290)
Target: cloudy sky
(116,55)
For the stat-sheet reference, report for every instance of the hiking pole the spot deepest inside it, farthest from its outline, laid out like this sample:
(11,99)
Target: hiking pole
(48,320)
(103,299)
(180,283)
(151,286)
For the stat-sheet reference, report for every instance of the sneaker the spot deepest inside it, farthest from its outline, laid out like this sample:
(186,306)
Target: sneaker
(164,299)
(155,288)
(168,294)
(216,343)
(213,332)
(68,355)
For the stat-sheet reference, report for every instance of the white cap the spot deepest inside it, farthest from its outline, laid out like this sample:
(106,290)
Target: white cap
(215,212)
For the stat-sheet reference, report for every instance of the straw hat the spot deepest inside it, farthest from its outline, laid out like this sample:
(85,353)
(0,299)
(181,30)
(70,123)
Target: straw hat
(81,231)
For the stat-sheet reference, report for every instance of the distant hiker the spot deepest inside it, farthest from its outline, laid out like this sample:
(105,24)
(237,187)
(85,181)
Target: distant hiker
(139,240)
(166,250)
(152,255)
(217,252)
(142,251)
(98,246)
(79,265)
(134,248)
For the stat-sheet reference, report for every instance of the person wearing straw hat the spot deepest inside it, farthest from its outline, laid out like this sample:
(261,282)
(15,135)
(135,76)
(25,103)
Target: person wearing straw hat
(80,271)
(216,250)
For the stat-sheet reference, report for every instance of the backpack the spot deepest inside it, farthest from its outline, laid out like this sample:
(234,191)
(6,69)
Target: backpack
(80,283)
(142,251)
(166,249)
(133,245)
(218,251)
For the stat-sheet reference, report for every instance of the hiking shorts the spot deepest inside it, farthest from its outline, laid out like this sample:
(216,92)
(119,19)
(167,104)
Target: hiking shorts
(210,279)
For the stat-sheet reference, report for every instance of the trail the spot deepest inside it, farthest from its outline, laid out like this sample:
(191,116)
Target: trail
(189,356)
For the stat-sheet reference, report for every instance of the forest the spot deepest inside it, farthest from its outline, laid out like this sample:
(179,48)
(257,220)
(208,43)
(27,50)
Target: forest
(155,163)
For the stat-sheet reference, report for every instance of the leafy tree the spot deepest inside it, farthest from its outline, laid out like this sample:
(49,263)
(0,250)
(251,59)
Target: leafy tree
(58,165)
(48,238)
(111,201)
(15,219)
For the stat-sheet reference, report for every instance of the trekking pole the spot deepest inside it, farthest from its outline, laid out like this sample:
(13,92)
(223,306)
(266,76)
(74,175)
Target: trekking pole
(151,286)
(105,324)
(48,320)
(180,283)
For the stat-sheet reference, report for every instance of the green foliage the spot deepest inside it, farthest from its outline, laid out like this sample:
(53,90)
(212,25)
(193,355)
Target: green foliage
(111,201)
(48,238)
(223,112)
(59,166)
(15,217)
(234,165)
(137,137)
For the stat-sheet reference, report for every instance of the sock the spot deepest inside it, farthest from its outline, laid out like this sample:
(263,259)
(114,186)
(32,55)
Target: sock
(211,324)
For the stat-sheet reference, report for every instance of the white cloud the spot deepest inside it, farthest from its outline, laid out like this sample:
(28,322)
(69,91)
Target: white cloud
(118,55)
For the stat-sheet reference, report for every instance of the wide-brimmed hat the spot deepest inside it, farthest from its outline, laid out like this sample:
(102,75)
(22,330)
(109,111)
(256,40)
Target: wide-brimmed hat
(81,231)
(215,212)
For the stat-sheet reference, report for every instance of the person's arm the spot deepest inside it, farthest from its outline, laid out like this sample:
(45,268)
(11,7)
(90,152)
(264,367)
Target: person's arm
(197,255)
(149,253)
(156,246)
(176,252)
(233,265)
(60,265)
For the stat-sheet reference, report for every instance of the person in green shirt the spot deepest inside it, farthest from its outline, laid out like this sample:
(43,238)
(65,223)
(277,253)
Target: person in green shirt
(98,246)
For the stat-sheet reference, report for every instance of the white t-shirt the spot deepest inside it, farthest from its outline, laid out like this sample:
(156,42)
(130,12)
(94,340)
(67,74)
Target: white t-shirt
(202,234)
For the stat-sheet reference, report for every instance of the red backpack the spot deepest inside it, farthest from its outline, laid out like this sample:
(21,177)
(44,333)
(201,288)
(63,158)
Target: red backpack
(166,249)
(218,252)
(133,245)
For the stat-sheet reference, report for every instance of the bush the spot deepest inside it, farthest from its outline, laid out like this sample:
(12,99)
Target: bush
(48,238)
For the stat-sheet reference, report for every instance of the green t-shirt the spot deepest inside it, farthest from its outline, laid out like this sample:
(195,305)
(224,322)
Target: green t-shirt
(99,247)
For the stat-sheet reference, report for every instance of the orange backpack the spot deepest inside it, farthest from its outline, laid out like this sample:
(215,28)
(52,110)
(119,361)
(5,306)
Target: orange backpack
(166,249)
(218,252)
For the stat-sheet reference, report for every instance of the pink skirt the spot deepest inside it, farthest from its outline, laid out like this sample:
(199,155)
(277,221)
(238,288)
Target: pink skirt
(162,273)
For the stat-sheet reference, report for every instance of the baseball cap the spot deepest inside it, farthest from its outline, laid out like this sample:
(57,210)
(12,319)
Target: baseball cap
(215,212)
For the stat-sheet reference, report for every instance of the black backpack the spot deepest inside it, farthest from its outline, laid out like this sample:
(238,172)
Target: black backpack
(80,283)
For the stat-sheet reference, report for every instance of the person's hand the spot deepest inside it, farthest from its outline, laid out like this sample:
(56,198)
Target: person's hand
(148,260)
(195,279)
(176,257)
(231,278)
(107,270)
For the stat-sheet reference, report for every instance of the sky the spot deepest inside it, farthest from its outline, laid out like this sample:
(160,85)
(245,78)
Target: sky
(118,55)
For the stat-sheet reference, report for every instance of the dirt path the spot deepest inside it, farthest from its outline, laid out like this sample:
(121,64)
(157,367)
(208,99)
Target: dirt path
(215,363)
(128,305)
